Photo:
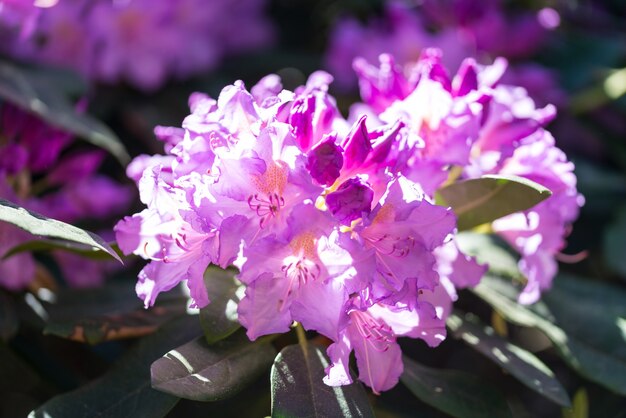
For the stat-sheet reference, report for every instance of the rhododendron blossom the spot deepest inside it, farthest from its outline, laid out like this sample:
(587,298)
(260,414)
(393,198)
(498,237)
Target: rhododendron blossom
(332,222)
(501,131)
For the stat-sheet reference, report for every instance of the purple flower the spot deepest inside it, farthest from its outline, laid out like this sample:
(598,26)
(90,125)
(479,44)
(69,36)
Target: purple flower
(372,333)
(330,226)
(538,233)
(142,42)
(352,200)
(462,28)
(21,16)
(481,127)
(325,161)
(67,188)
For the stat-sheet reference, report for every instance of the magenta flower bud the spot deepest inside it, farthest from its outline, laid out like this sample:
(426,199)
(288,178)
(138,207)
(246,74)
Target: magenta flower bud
(325,160)
(357,144)
(430,65)
(313,112)
(466,79)
(351,200)
(381,86)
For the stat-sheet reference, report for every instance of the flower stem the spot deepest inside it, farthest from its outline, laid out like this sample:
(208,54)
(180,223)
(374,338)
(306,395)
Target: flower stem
(302,337)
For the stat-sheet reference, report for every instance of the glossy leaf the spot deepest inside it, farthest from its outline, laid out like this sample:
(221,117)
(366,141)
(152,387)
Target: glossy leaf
(457,393)
(125,390)
(204,372)
(41,225)
(492,250)
(523,365)
(482,200)
(42,99)
(55,244)
(598,359)
(219,318)
(116,326)
(298,389)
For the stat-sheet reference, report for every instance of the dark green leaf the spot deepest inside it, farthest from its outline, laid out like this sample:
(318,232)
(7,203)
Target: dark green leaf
(17,375)
(457,393)
(42,99)
(615,244)
(113,297)
(21,389)
(219,318)
(41,225)
(598,359)
(204,372)
(117,326)
(590,311)
(298,389)
(55,244)
(8,317)
(482,200)
(525,366)
(125,390)
(491,250)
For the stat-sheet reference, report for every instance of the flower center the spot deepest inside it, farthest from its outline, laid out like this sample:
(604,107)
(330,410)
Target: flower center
(301,267)
(298,271)
(388,244)
(266,207)
(376,332)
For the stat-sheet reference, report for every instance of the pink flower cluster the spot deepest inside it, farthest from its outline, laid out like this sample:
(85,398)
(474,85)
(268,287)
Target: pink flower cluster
(331,222)
(472,121)
(462,28)
(36,172)
(142,42)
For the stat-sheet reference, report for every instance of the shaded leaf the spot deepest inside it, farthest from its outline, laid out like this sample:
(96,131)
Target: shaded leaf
(113,297)
(41,225)
(482,200)
(591,311)
(298,389)
(118,326)
(204,372)
(219,318)
(21,389)
(37,95)
(615,244)
(457,393)
(125,390)
(525,366)
(592,358)
(55,244)
(8,317)
(17,375)
(492,250)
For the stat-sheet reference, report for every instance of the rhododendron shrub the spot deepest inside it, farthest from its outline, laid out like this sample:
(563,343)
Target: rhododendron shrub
(332,223)
(296,246)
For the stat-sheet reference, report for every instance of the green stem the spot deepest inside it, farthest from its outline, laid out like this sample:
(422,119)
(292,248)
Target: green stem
(302,338)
